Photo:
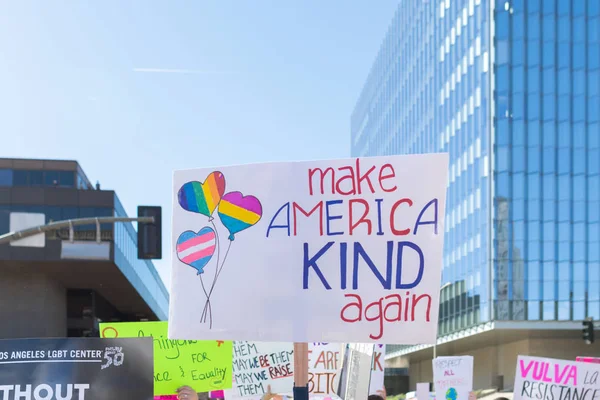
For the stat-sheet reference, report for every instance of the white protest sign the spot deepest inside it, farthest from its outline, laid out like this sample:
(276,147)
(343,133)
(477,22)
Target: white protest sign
(422,392)
(377,369)
(257,365)
(330,251)
(549,378)
(323,365)
(355,376)
(453,377)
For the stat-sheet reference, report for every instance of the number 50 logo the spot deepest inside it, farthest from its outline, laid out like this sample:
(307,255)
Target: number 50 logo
(113,356)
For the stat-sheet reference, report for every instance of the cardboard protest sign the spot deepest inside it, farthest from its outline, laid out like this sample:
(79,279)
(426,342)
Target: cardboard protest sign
(335,251)
(76,368)
(257,365)
(323,365)
(202,365)
(453,377)
(549,378)
(377,369)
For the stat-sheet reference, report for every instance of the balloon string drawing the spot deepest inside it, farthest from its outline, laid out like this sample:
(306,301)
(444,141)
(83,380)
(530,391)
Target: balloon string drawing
(196,249)
(207,311)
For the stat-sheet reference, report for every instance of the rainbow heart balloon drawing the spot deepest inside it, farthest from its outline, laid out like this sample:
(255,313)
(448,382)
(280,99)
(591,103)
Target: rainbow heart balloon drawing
(238,212)
(196,249)
(202,197)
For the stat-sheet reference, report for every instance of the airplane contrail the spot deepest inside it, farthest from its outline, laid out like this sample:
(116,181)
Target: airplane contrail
(181,71)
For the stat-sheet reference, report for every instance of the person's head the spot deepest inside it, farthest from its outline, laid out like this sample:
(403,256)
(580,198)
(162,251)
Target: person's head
(375,397)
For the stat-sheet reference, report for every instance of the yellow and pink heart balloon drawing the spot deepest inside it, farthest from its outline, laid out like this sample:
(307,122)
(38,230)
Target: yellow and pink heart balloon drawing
(236,212)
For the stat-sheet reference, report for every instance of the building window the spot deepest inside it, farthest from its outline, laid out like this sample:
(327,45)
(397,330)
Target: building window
(20,177)
(36,178)
(67,179)
(6,177)
(51,178)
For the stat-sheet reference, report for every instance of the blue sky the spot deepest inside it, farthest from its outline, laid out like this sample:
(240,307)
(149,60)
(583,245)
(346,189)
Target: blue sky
(249,81)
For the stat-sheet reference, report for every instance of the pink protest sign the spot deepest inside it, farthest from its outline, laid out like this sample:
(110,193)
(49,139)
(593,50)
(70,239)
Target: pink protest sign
(594,360)
(555,379)
(218,394)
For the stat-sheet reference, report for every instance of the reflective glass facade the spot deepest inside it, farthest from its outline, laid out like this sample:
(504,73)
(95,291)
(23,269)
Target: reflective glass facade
(547,164)
(511,90)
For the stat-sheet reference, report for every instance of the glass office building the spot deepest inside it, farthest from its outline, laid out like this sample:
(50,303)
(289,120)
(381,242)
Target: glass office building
(511,90)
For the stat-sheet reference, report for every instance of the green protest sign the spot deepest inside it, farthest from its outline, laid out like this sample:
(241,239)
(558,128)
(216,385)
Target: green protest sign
(205,365)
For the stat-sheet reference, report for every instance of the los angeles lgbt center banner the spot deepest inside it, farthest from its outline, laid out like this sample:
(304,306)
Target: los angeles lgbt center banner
(76,368)
(322,251)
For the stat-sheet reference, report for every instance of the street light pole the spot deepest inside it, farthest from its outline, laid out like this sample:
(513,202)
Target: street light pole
(448,284)
(9,237)
(444,286)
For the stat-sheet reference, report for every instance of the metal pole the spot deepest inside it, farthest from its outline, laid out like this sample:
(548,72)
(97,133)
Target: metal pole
(98,232)
(9,237)
(71,232)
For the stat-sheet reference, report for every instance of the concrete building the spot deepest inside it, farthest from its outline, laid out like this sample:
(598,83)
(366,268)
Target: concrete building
(52,287)
(511,90)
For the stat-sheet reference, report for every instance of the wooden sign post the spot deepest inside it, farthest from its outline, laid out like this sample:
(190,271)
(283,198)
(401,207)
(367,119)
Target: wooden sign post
(300,371)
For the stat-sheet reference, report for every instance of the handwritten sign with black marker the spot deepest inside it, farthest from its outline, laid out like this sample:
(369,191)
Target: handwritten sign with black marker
(257,365)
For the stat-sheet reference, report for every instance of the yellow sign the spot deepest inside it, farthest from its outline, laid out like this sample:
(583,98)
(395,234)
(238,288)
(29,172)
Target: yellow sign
(204,365)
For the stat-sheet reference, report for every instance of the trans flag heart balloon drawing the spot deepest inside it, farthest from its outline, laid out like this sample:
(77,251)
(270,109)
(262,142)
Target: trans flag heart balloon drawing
(196,249)
(238,212)
(202,197)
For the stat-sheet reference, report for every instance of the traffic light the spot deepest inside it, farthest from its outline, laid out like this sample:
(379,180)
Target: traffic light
(149,235)
(588,330)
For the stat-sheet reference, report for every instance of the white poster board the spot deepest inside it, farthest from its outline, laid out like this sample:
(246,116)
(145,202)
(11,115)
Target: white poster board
(257,365)
(322,251)
(377,369)
(324,361)
(355,375)
(555,379)
(423,391)
(453,377)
